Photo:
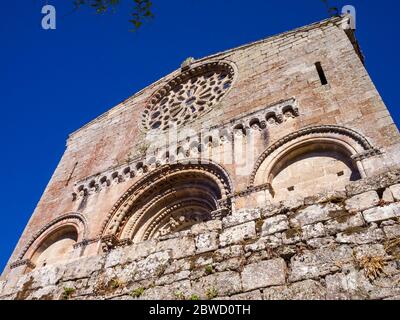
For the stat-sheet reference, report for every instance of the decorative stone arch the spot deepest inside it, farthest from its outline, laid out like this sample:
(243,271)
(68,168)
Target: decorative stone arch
(64,225)
(171,198)
(350,145)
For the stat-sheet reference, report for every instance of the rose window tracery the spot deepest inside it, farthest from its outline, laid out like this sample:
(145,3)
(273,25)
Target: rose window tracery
(188,96)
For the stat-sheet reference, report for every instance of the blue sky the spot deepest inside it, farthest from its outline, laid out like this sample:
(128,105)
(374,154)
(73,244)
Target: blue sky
(53,82)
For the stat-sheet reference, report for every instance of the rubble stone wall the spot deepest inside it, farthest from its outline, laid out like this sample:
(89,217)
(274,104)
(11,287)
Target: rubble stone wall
(335,245)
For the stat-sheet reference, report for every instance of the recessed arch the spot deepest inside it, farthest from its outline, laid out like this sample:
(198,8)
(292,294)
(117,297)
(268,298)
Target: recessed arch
(354,143)
(169,199)
(71,226)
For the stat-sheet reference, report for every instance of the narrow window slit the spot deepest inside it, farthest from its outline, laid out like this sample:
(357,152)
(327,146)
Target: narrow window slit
(321,73)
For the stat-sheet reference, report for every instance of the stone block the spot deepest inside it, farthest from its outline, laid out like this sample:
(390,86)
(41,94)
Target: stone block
(180,247)
(209,226)
(304,290)
(314,214)
(206,242)
(264,274)
(360,235)
(382,213)
(238,234)
(176,291)
(240,217)
(274,224)
(362,201)
(343,223)
(153,266)
(392,232)
(387,196)
(395,189)
(320,262)
(313,231)
(223,284)
(83,268)
(252,295)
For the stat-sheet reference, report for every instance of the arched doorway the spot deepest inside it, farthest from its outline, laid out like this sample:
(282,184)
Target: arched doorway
(170,199)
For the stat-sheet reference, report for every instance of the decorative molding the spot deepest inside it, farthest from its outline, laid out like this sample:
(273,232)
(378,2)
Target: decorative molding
(60,219)
(250,123)
(251,189)
(121,208)
(367,154)
(361,140)
(86,242)
(26,262)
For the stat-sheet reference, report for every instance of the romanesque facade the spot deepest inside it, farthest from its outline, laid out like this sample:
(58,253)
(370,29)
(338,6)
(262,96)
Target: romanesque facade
(270,171)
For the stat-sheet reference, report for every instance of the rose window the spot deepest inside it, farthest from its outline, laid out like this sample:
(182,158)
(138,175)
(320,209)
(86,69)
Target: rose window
(188,96)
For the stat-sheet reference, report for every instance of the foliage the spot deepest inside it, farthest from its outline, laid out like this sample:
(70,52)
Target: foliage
(179,295)
(194,297)
(142,9)
(137,292)
(373,266)
(209,269)
(68,292)
(211,293)
(116,283)
(332,11)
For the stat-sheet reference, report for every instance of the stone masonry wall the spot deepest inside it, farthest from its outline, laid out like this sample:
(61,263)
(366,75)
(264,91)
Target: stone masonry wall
(337,245)
(268,72)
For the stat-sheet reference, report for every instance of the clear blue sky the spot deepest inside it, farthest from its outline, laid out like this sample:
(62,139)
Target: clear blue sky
(53,82)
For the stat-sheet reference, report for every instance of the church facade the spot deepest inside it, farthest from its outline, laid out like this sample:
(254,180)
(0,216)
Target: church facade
(269,171)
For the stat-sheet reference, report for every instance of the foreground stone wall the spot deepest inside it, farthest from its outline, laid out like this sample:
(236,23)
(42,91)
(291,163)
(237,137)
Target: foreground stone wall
(338,245)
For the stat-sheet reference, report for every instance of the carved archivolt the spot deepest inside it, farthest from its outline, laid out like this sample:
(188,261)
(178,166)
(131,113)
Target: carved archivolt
(70,220)
(356,145)
(169,199)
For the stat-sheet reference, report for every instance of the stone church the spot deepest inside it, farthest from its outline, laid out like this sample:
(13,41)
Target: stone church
(269,171)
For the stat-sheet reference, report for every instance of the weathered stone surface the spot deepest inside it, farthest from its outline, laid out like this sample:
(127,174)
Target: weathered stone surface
(274,224)
(153,266)
(353,284)
(228,253)
(175,291)
(313,214)
(395,189)
(304,290)
(206,242)
(313,264)
(240,217)
(387,196)
(83,268)
(392,232)
(372,250)
(224,284)
(313,231)
(382,213)
(343,223)
(171,278)
(360,236)
(114,257)
(264,274)
(252,295)
(375,182)
(139,251)
(238,234)
(180,247)
(209,226)
(362,201)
